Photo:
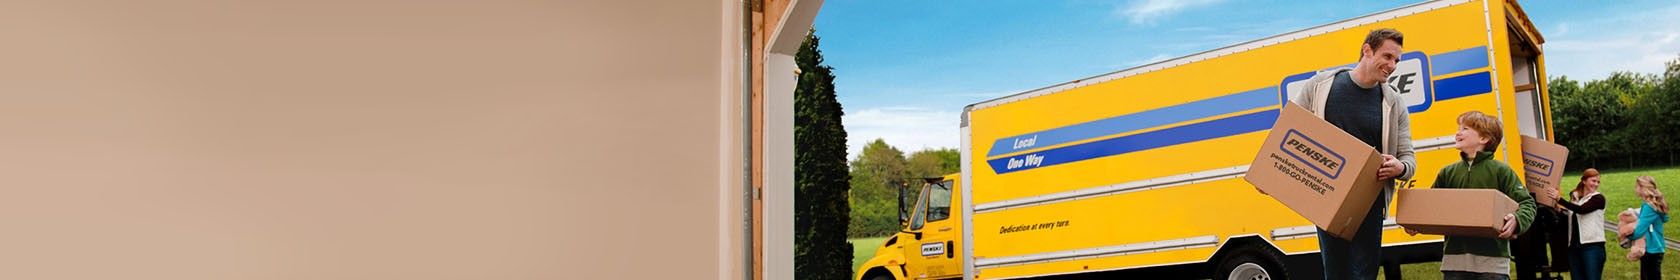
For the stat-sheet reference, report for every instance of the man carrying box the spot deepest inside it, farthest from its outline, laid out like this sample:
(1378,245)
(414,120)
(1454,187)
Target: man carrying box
(1357,101)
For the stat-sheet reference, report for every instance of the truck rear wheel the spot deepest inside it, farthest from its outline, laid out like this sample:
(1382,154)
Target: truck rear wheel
(1251,263)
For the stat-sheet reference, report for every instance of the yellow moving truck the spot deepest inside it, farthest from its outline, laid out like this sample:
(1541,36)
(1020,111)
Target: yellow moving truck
(1138,172)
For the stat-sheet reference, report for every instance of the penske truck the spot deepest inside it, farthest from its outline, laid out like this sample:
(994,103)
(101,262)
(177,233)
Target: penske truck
(1138,172)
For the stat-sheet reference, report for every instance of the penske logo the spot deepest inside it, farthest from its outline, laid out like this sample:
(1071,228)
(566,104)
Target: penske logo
(1538,164)
(933,249)
(1314,154)
(1411,79)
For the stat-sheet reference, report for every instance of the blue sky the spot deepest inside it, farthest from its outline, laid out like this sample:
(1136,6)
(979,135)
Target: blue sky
(904,69)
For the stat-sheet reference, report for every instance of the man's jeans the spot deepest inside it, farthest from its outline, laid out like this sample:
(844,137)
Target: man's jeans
(1358,258)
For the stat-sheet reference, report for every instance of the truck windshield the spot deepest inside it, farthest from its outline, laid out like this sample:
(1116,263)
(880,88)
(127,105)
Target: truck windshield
(919,216)
(939,201)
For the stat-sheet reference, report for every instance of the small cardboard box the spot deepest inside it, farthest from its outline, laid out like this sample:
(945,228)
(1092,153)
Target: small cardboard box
(1458,212)
(1542,167)
(1322,173)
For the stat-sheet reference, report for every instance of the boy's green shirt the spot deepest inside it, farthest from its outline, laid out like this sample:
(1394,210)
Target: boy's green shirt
(1482,172)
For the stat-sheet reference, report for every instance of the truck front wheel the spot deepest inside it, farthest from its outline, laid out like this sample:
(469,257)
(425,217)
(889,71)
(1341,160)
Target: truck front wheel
(877,273)
(1251,263)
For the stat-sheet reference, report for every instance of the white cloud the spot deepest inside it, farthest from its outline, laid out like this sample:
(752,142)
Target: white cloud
(1641,52)
(1640,42)
(906,128)
(1148,11)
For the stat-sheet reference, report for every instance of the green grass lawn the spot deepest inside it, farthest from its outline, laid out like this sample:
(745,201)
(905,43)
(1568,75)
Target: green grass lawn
(1616,266)
(862,249)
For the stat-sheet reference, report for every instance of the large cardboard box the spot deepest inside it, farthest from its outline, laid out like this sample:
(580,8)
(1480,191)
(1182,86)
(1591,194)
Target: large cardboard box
(1458,212)
(1542,167)
(1322,173)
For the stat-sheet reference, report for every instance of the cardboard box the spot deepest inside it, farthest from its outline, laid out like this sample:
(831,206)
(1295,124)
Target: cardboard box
(1458,212)
(1542,167)
(1322,173)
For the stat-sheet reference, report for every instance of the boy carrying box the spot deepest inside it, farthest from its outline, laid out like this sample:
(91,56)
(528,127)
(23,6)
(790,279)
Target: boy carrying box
(1465,257)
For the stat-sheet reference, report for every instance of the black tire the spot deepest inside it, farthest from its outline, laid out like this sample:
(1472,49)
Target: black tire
(877,273)
(1251,263)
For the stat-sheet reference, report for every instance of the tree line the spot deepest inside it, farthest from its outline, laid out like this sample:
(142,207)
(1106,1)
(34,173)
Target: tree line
(1622,121)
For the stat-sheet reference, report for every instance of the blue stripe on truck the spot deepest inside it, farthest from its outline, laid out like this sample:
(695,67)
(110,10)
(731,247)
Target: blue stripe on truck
(1442,63)
(1138,142)
(1125,123)
(1459,60)
(1462,86)
(1449,88)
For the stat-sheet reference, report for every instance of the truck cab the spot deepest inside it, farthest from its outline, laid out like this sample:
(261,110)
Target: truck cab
(926,246)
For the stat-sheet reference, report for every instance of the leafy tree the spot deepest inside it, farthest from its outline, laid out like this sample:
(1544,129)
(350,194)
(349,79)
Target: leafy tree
(1664,114)
(821,210)
(1568,125)
(1624,120)
(875,176)
(935,162)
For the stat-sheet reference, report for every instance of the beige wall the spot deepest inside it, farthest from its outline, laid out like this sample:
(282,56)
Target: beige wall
(361,139)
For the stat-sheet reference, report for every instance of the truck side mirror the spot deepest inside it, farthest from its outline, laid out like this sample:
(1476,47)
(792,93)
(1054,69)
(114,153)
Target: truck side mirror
(903,213)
